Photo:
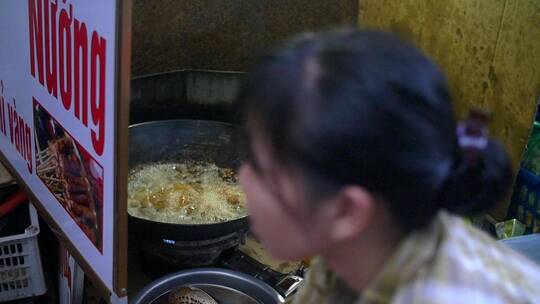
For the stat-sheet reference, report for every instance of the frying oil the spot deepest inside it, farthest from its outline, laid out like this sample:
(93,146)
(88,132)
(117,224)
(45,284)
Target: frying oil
(185,193)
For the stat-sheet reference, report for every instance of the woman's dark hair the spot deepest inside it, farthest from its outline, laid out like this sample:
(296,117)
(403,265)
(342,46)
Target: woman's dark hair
(366,108)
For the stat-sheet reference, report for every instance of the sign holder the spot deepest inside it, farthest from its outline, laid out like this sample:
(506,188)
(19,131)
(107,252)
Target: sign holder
(123,72)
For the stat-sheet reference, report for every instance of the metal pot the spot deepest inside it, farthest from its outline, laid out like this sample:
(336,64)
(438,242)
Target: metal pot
(225,286)
(181,140)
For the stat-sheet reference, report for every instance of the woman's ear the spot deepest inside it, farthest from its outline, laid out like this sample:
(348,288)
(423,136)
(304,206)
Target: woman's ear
(352,211)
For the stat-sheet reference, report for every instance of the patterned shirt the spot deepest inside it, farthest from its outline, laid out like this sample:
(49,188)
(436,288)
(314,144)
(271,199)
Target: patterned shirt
(449,262)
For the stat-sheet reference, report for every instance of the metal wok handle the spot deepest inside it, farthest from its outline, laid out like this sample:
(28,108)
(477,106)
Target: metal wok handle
(284,284)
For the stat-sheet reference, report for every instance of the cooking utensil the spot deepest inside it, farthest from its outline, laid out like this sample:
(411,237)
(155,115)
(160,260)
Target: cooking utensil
(224,286)
(181,141)
(284,283)
(190,295)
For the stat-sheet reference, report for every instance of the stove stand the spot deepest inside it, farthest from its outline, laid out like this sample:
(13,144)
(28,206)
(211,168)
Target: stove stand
(165,256)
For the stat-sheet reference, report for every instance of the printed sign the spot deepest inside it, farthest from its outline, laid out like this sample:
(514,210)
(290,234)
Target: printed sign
(70,278)
(57,116)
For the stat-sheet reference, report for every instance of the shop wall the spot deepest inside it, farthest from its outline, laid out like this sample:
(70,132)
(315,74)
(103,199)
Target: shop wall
(490,50)
(223,35)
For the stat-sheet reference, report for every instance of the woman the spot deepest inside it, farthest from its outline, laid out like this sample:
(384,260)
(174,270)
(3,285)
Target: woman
(355,158)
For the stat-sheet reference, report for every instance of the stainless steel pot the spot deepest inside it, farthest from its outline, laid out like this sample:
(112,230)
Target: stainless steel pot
(225,286)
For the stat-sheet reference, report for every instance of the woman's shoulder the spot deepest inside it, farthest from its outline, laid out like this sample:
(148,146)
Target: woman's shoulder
(472,265)
(473,249)
(447,294)
(454,262)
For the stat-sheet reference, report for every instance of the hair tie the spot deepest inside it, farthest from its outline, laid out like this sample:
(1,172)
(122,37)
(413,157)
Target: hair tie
(473,135)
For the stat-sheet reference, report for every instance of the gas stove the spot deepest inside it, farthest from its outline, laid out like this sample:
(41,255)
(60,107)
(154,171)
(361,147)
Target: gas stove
(284,283)
(237,251)
(161,256)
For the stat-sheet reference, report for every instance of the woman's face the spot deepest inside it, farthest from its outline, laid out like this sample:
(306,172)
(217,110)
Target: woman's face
(279,216)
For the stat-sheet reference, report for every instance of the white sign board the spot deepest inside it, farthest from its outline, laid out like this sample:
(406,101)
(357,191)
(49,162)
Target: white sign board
(57,115)
(70,278)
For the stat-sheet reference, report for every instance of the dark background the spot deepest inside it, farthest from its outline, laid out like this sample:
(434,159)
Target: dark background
(223,35)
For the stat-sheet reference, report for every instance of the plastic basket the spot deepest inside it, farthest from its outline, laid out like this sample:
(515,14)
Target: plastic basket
(21,273)
(525,204)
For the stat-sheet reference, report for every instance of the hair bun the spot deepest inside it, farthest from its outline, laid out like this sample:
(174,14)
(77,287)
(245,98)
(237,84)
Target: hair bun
(476,187)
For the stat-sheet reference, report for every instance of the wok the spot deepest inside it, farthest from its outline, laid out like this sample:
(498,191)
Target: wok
(184,140)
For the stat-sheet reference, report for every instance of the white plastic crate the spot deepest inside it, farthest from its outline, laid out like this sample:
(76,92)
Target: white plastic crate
(21,273)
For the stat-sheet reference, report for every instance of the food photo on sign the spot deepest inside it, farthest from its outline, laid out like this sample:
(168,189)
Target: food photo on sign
(70,173)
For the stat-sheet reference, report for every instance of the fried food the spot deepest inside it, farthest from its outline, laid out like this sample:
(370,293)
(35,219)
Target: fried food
(185,193)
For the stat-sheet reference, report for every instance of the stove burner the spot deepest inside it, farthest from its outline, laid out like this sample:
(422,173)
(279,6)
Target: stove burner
(164,256)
